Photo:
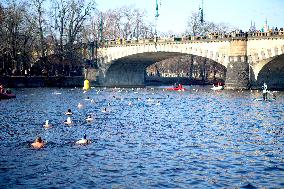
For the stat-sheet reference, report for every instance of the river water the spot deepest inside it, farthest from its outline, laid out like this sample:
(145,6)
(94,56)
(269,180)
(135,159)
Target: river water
(147,138)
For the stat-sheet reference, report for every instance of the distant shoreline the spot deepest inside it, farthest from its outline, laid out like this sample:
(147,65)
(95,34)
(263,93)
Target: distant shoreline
(41,81)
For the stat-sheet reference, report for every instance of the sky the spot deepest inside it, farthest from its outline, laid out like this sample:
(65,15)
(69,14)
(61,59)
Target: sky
(175,13)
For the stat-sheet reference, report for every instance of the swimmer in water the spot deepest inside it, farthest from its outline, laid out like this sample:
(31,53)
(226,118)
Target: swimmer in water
(47,125)
(38,143)
(89,118)
(68,121)
(69,112)
(80,105)
(84,140)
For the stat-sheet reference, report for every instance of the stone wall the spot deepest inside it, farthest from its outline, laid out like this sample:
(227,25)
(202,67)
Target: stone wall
(92,75)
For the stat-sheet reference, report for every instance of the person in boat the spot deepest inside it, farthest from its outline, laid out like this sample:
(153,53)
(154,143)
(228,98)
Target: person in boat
(264,91)
(175,85)
(69,112)
(8,91)
(2,90)
(38,143)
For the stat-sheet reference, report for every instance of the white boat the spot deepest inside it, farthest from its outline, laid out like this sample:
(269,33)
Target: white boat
(220,87)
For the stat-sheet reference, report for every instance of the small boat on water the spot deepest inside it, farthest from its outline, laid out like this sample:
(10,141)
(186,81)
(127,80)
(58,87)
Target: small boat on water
(6,93)
(177,88)
(217,88)
(7,96)
(220,86)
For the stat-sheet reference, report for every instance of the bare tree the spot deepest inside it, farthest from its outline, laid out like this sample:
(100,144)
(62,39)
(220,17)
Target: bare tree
(69,18)
(39,19)
(194,25)
(126,22)
(15,36)
(197,28)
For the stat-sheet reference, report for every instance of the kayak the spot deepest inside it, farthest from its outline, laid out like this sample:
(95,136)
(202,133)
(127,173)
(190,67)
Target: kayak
(7,96)
(176,89)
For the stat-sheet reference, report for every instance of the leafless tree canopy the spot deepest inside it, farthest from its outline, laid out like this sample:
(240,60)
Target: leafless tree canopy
(126,22)
(43,36)
(197,28)
(53,37)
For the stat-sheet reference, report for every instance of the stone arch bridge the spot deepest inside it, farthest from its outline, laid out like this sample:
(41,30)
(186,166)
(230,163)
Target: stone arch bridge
(250,60)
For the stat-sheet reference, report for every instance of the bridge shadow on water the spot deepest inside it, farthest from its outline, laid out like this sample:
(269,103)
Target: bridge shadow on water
(273,74)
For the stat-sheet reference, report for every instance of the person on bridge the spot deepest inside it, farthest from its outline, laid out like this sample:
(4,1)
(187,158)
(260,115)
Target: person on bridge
(264,91)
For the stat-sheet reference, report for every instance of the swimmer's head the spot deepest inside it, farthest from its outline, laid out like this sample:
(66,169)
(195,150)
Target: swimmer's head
(38,139)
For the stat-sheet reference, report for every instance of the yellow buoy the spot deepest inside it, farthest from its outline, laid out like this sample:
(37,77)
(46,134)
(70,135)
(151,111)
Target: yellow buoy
(86,85)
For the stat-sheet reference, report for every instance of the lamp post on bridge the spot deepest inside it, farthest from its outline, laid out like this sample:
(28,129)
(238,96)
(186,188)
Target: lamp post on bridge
(202,19)
(156,20)
(201,13)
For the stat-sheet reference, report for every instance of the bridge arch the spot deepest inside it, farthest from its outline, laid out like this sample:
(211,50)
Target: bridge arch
(216,51)
(272,72)
(130,70)
(260,59)
(239,55)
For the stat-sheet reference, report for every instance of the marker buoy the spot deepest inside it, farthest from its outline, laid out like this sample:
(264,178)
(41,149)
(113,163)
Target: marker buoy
(86,85)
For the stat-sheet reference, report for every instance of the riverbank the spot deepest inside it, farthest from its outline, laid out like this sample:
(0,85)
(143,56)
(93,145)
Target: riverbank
(78,81)
(40,81)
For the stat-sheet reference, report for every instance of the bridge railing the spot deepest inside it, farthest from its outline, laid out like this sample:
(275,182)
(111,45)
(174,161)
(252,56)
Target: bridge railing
(266,34)
(209,37)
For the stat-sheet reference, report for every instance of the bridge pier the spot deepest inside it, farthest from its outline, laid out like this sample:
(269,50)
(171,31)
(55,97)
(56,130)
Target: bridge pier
(124,75)
(237,76)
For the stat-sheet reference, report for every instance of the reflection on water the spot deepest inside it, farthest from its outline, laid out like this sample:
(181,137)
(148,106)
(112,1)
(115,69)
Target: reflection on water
(146,138)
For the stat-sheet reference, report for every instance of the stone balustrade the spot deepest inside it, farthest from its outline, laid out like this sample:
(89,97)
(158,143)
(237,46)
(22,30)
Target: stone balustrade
(209,37)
